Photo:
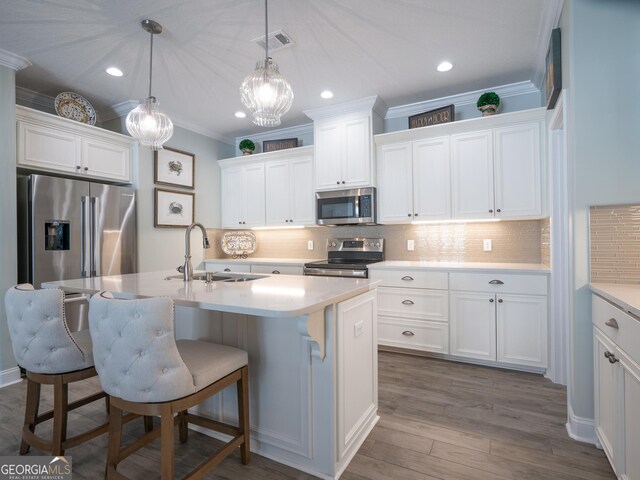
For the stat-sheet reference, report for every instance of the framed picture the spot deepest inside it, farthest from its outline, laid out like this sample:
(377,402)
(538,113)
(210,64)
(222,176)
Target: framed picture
(432,117)
(174,167)
(173,208)
(554,69)
(282,144)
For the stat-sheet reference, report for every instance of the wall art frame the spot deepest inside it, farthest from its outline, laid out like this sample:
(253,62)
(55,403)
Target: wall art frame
(173,209)
(175,168)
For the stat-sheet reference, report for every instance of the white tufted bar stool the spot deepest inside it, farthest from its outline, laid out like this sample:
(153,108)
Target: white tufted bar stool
(147,372)
(51,355)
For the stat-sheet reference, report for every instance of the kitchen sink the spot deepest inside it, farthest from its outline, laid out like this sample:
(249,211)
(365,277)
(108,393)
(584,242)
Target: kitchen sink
(215,277)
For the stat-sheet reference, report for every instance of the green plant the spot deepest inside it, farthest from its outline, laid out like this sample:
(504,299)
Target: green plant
(488,98)
(247,144)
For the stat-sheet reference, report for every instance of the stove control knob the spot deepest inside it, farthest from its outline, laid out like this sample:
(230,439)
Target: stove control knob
(378,244)
(333,244)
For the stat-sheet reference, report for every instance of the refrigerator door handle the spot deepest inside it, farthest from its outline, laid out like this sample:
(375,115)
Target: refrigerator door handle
(85,229)
(96,237)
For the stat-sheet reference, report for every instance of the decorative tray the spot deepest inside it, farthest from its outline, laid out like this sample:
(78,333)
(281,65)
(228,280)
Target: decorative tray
(75,107)
(239,244)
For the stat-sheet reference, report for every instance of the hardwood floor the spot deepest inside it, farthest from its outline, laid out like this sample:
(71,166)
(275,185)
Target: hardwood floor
(438,420)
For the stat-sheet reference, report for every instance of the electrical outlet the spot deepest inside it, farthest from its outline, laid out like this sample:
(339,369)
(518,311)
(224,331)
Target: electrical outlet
(411,245)
(487,244)
(310,245)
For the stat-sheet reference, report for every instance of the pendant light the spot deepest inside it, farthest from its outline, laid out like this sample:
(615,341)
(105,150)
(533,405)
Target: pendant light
(146,123)
(265,92)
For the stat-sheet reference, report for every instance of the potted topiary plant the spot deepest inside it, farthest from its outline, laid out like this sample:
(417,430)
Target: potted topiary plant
(247,146)
(488,103)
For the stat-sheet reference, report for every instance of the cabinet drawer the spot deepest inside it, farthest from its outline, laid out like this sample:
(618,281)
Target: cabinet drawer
(228,267)
(627,335)
(276,269)
(414,303)
(481,282)
(420,335)
(411,278)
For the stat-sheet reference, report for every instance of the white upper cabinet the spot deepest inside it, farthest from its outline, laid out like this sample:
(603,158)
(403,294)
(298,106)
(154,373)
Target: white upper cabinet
(518,175)
(50,143)
(343,139)
(272,189)
(490,167)
(472,174)
(431,179)
(289,190)
(343,152)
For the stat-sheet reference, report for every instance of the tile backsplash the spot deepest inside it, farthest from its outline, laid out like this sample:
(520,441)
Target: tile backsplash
(615,243)
(545,240)
(512,241)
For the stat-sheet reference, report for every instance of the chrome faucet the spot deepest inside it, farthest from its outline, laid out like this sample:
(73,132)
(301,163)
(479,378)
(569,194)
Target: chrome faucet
(187,269)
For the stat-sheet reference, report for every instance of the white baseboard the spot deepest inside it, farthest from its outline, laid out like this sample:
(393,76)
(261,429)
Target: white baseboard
(581,429)
(9,376)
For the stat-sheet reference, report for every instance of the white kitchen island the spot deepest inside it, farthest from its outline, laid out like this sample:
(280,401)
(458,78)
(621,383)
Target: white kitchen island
(312,347)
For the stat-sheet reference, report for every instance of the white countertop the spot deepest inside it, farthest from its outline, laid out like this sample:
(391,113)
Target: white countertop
(626,296)
(263,261)
(271,296)
(465,266)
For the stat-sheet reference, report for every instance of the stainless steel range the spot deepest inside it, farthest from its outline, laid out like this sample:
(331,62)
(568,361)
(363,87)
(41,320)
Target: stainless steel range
(348,257)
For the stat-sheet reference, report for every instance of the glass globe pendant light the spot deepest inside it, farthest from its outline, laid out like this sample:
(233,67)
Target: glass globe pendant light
(265,91)
(146,122)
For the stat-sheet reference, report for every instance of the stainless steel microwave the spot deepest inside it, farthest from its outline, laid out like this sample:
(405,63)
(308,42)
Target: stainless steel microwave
(346,207)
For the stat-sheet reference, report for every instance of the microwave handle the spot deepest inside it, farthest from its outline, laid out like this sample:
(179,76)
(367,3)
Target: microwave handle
(356,208)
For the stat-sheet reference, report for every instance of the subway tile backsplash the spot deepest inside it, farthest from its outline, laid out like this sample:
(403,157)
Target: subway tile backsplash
(512,241)
(615,243)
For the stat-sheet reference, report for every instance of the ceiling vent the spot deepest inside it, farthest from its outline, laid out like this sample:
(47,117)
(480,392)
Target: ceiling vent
(277,40)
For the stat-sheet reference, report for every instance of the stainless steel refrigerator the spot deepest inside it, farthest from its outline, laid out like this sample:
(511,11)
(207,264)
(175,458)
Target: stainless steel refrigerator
(71,229)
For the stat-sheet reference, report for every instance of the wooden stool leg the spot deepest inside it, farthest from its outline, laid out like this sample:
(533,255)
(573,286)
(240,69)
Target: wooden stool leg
(30,411)
(166,443)
(183,427)
(60,411)
(107,405)
(115,435)
(243,415)
(148,423)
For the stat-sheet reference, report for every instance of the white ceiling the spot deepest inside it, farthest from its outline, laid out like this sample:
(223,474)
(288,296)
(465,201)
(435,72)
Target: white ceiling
(356,48)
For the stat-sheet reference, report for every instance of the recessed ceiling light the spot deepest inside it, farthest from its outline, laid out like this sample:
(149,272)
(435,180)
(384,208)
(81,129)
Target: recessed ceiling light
(114,71)
(240,114)
(445,67)
(327,94)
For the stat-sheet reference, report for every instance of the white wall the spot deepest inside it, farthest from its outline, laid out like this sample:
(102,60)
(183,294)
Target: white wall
(601,69)
(8,215)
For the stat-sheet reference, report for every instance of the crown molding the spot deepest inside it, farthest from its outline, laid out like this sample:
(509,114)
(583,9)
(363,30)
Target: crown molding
(468,98)
(31,97)
(13,61)
(373,102)
(550,20)
(295,131)
(120,109)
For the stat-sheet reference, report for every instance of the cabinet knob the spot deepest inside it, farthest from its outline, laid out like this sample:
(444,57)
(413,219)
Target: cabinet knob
(490,210)
(290,221)
(415,214)
(611,357)
(287,221)
(276,272)
(407,302)
(498,210)
(408,333)
(343,181)
(239,223)
(491,300)
(612,322)
(499,300)
(408,214)
(407,278)
(338,182)
(86,168)
(78,167)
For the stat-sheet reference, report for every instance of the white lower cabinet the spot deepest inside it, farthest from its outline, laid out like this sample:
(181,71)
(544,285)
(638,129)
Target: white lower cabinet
(500,318)
(413,309)
(277,269)
(228,267)
(616,352)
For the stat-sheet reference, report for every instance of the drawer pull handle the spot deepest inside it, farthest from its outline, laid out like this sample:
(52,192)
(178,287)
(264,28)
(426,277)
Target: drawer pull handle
(407,302)
(276,272)
(407,278)
(612,358)
(227,269)
(496,282)
(612,322)
(409,333)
